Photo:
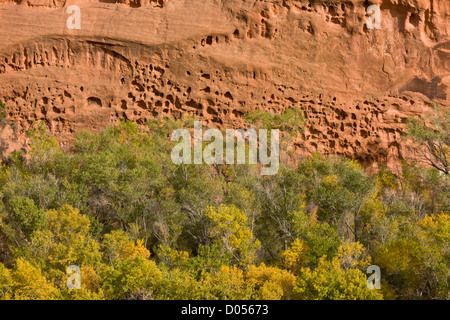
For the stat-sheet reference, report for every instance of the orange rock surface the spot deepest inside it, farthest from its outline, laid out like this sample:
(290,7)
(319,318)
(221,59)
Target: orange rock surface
(218,59)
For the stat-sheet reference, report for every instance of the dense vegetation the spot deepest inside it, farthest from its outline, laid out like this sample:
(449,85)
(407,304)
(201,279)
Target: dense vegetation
(141,227)
(432,139)
(2,112)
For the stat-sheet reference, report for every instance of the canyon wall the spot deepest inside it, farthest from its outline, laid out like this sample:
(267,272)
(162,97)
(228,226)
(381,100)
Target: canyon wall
(219,59)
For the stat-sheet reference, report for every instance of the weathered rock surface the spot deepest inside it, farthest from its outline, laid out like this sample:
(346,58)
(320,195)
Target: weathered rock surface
(218,59)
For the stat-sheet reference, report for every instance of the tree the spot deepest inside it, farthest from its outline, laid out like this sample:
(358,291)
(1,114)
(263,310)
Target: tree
(179,284)
(28,283)
(318,238)
(66,241)
(135,278)
(416,266)
(2,111)
(294,258)
(338,187)
(117,246)
(91,286)
(226,283)
(270,283)
(216,232)
(29,217)
(432,139)
(230,229)
(330,281)
(5,283)
(291,123)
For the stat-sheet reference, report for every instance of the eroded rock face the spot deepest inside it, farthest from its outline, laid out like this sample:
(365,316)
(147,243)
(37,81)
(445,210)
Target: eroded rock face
(218,59)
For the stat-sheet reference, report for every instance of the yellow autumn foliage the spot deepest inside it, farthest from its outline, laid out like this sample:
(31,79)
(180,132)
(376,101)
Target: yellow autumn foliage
(229,226)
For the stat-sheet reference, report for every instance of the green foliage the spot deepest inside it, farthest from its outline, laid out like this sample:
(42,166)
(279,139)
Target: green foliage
(66,241)
(329,281)
(338,186)
(291,124)
(28,283)
(418,264)
(29,217)
(226,283)
(133,279)
(432,137)
(270,283)
(319,238)
(178,284)
(5,283)
(215,231)
(209,258)
(117,246)
(291,121)
(229,228)
(2,111)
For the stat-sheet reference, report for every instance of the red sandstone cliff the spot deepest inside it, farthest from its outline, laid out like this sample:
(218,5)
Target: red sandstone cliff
(218,59)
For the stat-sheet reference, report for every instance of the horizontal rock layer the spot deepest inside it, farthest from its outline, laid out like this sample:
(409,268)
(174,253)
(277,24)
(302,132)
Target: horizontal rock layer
(219,59)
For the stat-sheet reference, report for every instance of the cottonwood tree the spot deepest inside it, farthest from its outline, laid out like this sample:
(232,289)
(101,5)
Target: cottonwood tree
(432,140)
